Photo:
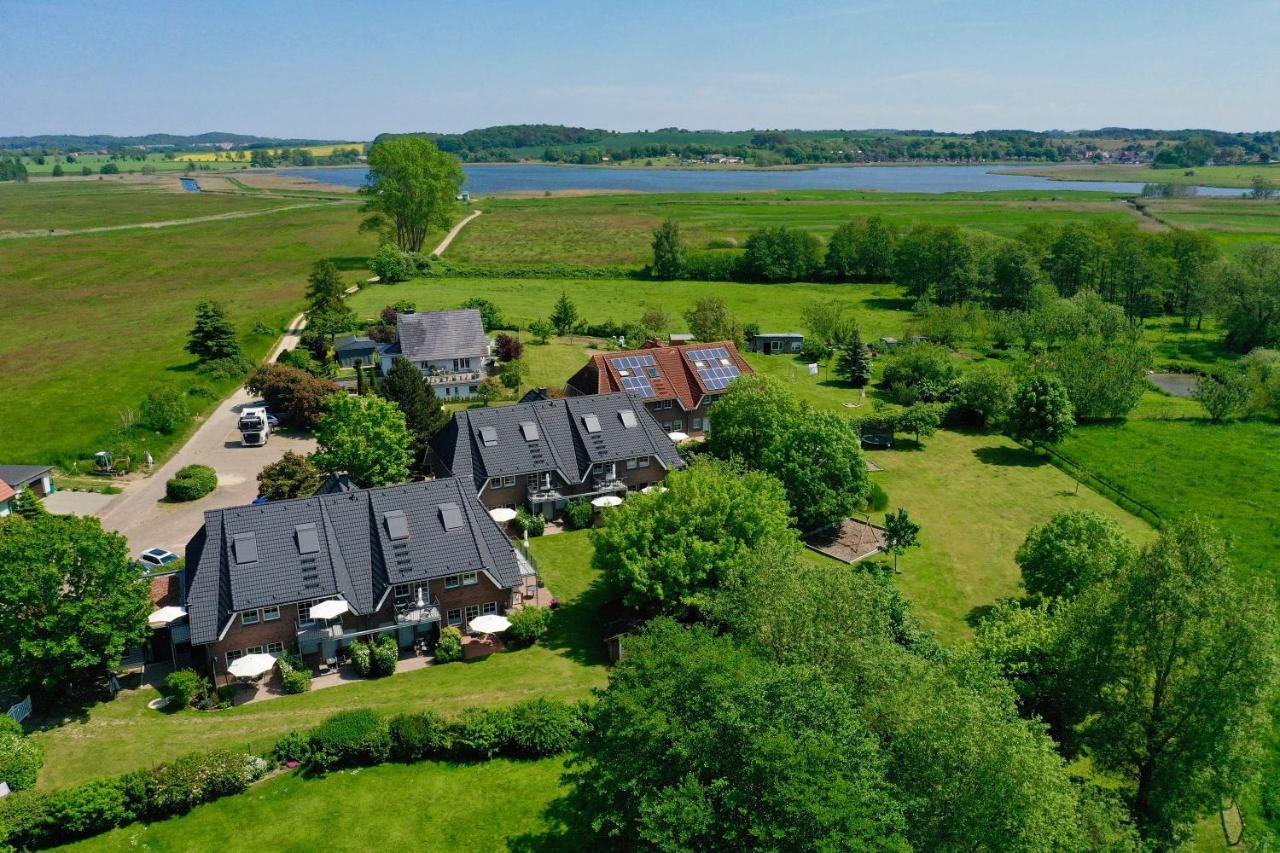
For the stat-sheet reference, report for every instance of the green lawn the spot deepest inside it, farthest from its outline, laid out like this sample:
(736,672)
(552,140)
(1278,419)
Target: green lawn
(427,806)
(90,204)
(1206,176)
(602,229)
(123,734)
(97,161)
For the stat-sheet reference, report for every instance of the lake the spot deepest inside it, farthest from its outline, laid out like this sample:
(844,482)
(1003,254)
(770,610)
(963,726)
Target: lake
(484,179)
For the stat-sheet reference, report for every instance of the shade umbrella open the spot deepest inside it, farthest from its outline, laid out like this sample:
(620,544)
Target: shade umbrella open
(502,514)
(329,609)
(490,623)
(678,436)
(607,500)
(251,666)
(165,616)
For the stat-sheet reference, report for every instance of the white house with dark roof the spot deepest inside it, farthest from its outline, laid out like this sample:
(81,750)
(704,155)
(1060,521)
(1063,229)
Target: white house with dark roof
(404,559)
(544,453)
(451,349)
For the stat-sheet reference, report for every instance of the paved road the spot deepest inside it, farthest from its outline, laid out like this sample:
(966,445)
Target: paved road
(138,512)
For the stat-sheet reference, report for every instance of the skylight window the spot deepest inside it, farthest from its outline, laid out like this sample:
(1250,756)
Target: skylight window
(450,516)
(529,430)
(591,423)
(308,539)
(397,525)
(624,372)
(246,548)
(628,417)
(489,436)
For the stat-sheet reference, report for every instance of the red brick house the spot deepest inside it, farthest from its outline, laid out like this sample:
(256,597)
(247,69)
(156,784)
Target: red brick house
(678,384)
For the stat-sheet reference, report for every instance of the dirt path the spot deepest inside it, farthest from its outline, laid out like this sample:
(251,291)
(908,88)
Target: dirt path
(139,513)
(168,223)
(448,238)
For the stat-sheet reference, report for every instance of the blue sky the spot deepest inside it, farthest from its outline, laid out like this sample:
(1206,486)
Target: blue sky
(352,69)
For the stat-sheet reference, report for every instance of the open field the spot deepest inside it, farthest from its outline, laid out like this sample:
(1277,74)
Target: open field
(124,734)
(46,205)
(90,323)
(97,161)
(475,807)
(1171,458)
(242,155)
(1208,176)
(1232,222)
(598,229)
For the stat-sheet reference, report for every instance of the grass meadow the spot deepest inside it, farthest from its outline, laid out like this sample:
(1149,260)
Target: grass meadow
(1209,176)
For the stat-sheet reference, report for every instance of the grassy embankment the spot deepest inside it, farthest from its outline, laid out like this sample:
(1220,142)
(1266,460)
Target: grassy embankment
(1205,176)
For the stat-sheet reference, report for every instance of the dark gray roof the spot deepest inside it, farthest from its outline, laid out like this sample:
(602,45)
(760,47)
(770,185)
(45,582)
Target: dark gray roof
(21,475)
(442,334)
(356,557)
(354,342)
(564,443)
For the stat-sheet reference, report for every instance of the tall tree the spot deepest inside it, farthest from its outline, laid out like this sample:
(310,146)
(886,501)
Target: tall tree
(423,413)
(709,320)
(1071,552)
(1195,254)
(818,458)
(213,337)
(290,476)
(668,254)
(324,287)
(1173,664)
(1042,412)
(292,393)
(751,418)
(1248,297)
(365,438)
(854,363)
(411,189)
(74,602)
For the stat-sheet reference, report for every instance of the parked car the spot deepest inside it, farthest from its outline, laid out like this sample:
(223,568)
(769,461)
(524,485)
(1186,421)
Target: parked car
(154,559)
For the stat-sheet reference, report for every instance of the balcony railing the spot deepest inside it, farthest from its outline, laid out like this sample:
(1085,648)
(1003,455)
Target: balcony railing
(317,631)
(451,377)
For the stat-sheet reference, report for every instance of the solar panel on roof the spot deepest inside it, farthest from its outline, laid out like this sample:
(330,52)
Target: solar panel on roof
(308,539)
(450,516)
(638,385)
(628,418)
(714,367)
(591,422)
(397,525)
(246,548)
(530,430)
(488,436)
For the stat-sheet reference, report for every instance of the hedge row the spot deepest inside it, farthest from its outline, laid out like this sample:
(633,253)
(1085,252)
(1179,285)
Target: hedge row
(191,483)
(450,269)
(38,819)
(535,728)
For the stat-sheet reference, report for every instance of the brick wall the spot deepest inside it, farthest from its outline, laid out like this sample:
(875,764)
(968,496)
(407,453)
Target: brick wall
(482,592)
(240,636)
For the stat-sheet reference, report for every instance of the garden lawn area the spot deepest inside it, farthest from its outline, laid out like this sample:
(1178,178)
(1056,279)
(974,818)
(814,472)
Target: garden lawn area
(90,323)
(1169,456)
(879,308)
(486,806)
(975,497)
(46,205)
(123,734)
(618,229)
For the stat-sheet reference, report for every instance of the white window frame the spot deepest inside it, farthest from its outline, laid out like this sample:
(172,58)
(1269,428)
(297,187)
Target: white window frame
(454,616)
(508,482)
(250,617)
(307,621)
(402,594)
(632,464)
(452,582)
(642,461)
(256,650)
(488,607)
(270,614)
(469,612)
(470,578)
(275,648)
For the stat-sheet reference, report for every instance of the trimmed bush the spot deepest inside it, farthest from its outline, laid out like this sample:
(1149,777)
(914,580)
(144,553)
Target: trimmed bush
(532,523)
(386,654)
(481,732)
(449,646)
(579,514)
(200,778)
(295,746)
(350,739)
(90,809)
(20,760)
(24,820)
(528,624)
(183,686)
(361,659)
(541,727)
(191,483)
(10,726)
(418,736)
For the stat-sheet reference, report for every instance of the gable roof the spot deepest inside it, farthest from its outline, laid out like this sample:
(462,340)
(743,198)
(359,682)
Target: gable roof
(567,438)
(677,374)
(442,334)
(22,475)
(337,545)
(6,491)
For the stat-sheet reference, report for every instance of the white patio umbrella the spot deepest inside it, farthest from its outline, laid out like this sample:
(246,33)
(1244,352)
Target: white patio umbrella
(330,609)
(164,616)
(607,500)
(490,623)
(251,666)
(678,436)
(648,490)
(502,514)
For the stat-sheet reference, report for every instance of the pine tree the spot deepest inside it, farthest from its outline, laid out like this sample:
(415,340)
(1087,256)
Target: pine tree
(28,505)
(423,414)
(564,317)
(324,287)
(213,337)
(854,364)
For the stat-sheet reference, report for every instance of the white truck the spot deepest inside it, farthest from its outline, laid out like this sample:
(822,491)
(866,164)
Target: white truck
(255,426)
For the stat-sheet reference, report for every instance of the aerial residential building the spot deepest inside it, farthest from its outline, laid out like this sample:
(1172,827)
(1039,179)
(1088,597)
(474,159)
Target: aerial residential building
(677,384)
(16,479)
(449,347)
(544,453)
(404,559)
